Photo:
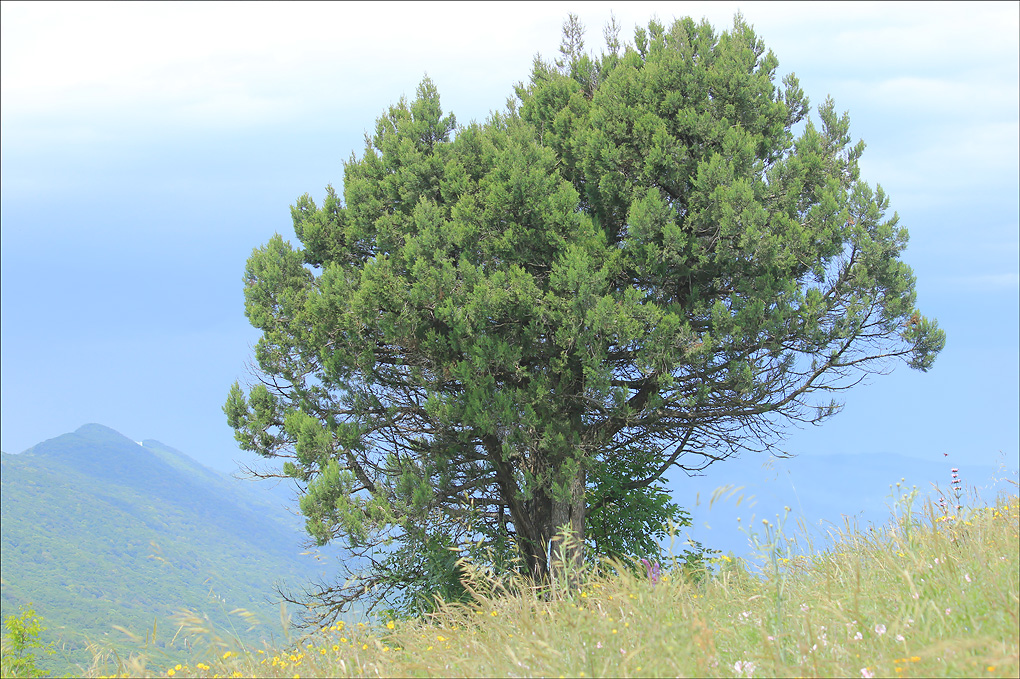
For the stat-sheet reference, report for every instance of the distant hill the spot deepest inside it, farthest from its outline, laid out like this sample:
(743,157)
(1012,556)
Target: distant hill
(822,491)
(99,530)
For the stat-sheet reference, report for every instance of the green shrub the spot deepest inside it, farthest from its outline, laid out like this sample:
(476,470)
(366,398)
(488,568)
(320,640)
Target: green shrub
(22,635)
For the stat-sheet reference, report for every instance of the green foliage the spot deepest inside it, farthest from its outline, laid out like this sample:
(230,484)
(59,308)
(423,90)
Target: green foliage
(19,640)
(653,259)
(624,521)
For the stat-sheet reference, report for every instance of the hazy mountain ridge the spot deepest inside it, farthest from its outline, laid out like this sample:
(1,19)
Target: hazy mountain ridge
(99,531)
(822,491)
(160,471)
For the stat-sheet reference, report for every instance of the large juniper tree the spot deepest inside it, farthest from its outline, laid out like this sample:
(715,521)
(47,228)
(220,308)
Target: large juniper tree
(651,260)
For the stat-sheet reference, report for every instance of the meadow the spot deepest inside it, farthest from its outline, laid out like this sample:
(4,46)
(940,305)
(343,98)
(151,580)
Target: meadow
(933,593)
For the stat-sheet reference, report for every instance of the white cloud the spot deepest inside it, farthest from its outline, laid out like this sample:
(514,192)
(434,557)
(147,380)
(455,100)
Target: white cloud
(932,88)
(939,161)
(988,283)
(121,58)
(232,61)
(875,37)
(969,98)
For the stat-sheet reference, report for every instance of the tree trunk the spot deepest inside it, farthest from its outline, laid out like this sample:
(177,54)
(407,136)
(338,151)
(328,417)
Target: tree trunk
(554,548)
(566,536)
(540,521)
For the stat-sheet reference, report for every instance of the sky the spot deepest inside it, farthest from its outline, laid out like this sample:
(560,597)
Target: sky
(148,148)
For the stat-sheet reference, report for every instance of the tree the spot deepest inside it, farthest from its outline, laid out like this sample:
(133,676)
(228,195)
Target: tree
(21,636)
(509,329)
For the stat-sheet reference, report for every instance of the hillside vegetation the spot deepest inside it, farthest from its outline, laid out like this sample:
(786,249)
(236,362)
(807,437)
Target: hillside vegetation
(934,593)
(101,532)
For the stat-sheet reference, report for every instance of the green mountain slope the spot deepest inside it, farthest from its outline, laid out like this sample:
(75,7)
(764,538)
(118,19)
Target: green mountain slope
(98,530)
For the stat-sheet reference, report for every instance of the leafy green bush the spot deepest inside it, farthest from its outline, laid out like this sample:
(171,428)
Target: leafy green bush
(22,635)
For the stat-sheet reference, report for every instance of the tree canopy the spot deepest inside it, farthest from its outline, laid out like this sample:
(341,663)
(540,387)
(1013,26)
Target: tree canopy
(651,259)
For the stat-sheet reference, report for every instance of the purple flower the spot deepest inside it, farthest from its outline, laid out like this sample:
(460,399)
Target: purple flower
(653,570)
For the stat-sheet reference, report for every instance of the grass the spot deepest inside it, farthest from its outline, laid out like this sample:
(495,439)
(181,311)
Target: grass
(931,594)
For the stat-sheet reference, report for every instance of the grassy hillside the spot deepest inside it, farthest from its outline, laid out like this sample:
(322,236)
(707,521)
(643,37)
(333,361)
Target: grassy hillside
(100,531)
(931,594)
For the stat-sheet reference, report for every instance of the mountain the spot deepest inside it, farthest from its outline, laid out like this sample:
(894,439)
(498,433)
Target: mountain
(822,492)
(99,530)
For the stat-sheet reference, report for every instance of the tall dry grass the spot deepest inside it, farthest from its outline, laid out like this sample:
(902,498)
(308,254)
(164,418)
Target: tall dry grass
(934,593)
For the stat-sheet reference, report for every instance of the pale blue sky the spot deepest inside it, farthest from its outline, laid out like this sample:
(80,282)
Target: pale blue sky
(147,148)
